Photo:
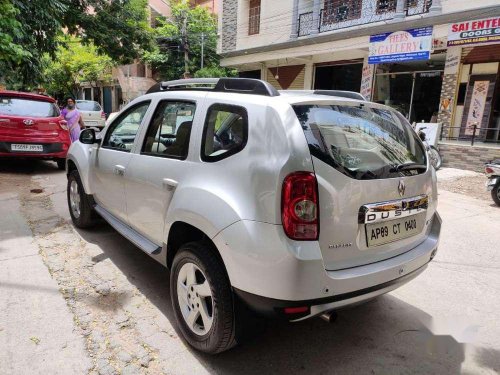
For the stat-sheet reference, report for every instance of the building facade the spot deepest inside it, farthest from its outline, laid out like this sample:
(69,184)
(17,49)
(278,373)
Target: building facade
(394,52)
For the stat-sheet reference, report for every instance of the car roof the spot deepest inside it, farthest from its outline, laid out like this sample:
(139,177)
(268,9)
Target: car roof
(27,95)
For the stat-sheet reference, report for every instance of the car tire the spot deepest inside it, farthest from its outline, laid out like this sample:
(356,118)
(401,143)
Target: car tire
(207,323)
(79,205)
(495,194)
(61,164)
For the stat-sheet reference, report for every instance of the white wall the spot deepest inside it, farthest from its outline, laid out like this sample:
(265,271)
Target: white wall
(275,23)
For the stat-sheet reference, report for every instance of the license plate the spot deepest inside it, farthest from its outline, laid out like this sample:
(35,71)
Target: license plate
(25,147)
(394,230)
(91,123)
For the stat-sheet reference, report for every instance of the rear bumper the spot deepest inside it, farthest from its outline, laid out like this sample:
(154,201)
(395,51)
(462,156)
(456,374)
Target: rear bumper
(269,276)
(53,148)
(273,307)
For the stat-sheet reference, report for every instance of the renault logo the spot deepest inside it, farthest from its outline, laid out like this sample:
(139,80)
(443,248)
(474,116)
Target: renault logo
(28,122)
(401,188)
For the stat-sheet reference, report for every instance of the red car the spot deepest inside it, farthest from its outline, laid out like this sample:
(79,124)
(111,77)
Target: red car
(31,126)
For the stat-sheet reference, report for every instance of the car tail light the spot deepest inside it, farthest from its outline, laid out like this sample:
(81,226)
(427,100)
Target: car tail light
(63,124)
(299,206)
(103,115)
(488,170)
(296,310)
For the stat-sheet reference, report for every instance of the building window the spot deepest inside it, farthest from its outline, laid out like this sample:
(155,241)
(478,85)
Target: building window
(385,6)
(254,17)
(340,10)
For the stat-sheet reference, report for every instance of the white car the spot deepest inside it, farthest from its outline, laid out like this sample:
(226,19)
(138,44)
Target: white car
(92,113)
(293,203)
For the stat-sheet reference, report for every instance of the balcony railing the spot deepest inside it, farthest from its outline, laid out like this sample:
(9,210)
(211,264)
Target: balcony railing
(305,24)
(342,14)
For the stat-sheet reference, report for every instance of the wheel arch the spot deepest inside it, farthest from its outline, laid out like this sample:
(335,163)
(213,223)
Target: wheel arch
(180,233)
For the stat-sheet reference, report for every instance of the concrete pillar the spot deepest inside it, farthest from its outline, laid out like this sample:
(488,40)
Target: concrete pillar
(400,10)
(436,7)
(263,72)
(309,76)
(315,17)
(295,21)
(449,88)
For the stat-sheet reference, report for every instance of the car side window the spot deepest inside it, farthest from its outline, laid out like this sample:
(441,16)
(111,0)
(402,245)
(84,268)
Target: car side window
(122,132)
(225,132)
(170,129)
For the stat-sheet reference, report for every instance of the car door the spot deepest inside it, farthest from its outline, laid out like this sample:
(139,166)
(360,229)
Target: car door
(110,160)
(159,167)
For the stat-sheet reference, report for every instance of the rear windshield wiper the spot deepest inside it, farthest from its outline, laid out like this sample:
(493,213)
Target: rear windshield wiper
(408,166)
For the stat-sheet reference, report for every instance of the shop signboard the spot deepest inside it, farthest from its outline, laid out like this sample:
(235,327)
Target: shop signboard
(477,104)
(406,45)
(485,30)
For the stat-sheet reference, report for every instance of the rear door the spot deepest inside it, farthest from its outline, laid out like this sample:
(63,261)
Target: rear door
(374,182)
(161,165)
(26,121)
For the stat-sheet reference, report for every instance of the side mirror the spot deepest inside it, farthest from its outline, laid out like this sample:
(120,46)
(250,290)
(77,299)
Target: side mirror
(421,135)
(88,137)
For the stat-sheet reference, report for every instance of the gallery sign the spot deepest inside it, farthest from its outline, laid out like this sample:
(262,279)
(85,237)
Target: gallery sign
(486,30)
(406,45)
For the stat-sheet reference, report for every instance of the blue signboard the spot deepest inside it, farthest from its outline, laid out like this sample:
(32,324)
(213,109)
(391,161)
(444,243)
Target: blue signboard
(406,45)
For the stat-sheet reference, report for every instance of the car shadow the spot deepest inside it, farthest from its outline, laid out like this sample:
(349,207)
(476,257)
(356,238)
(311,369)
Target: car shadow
(28,166)
(386,335)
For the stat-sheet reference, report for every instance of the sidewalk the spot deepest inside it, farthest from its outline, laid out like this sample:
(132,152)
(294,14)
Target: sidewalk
(36,326)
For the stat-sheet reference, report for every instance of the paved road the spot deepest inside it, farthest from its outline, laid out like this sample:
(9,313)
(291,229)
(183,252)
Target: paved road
(445,321)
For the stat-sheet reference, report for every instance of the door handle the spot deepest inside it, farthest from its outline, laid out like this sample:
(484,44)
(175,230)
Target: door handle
(169,184)
(119,170)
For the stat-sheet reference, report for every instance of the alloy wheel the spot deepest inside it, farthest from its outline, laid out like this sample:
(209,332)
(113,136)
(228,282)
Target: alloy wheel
(195,300)
(74,199)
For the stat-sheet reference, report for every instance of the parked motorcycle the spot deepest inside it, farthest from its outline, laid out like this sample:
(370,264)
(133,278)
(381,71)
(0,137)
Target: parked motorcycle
(492,170)
(434,155)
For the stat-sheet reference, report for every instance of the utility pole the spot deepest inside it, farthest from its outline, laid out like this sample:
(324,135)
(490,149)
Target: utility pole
(202,45)
(185,44)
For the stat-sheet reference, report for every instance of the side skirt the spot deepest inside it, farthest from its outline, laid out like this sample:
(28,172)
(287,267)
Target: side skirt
(133,236)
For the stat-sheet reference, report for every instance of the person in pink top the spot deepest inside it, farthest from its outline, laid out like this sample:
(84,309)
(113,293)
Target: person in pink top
(74,119)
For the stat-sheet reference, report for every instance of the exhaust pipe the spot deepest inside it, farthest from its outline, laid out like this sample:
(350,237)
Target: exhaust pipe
(329,316)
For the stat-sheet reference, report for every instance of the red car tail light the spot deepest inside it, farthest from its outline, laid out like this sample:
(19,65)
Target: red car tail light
(63,124)
(488,170)
(103,115)
(299,206)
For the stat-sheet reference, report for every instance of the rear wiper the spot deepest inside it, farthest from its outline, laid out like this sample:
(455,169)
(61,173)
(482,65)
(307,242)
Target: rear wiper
(408,166)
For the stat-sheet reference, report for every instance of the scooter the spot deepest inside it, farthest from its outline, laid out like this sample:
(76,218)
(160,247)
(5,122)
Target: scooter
(492,170)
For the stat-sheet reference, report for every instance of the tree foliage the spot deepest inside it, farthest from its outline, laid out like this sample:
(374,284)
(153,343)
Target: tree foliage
(31,29)
(168,55)
(73,64)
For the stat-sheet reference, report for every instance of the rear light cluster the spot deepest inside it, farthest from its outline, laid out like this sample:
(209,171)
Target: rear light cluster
(103,115)
(299,206)
(488,170)
(63,124)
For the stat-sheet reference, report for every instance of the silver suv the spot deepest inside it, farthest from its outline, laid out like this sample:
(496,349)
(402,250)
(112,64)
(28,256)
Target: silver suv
(292,203)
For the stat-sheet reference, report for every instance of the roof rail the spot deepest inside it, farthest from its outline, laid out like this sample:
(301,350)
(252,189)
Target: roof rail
(341,93)
(233,85)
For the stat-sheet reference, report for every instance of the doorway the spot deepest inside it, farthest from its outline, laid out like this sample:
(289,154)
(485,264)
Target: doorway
(415,94)
(338,77)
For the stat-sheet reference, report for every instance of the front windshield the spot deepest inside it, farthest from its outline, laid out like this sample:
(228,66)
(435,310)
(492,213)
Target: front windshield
(362,142)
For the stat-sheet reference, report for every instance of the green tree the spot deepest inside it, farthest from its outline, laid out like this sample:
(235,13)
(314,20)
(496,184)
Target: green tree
(179,44)
(73,64)
(31,29)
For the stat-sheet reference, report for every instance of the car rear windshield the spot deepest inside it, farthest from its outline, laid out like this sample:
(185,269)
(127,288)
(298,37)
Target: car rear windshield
(362,142)
(88,106)
(13,106)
